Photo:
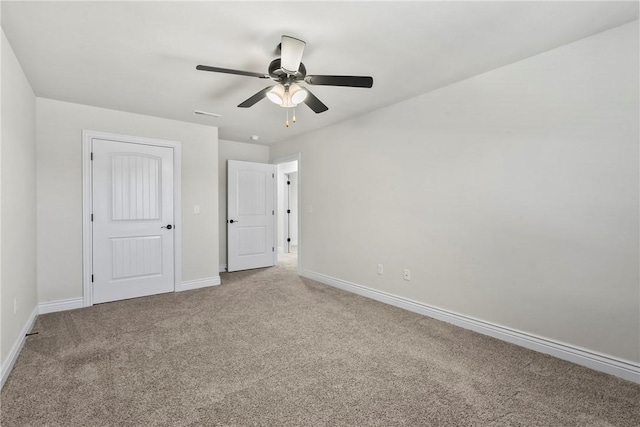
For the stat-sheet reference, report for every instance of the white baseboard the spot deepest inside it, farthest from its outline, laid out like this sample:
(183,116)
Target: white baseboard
(222,268)
(60,305)
(198,283)
(17,347)
(599,362)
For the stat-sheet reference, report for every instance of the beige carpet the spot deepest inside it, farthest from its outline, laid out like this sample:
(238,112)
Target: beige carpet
(269,348)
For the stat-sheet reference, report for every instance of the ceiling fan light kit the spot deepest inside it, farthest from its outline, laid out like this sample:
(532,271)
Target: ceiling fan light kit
(287,97)
(287,71)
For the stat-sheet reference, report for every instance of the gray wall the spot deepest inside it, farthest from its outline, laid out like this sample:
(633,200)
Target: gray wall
(232,150)
(512,196)
(59,127)
(17,201)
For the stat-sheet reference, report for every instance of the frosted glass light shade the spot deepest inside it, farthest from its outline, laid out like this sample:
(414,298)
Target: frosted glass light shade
(297,94)
(276,94)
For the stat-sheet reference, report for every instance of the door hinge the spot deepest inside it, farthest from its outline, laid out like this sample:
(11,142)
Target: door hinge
(92,156)
(288,182)
(273,249)
(92,278)
(91,217)
(273,212)
(288,211)
(273,175)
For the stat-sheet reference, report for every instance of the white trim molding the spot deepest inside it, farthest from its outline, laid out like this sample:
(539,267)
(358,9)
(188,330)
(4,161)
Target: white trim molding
(60,305)
(87,225)
(620,368)
(17,347)
(198,283)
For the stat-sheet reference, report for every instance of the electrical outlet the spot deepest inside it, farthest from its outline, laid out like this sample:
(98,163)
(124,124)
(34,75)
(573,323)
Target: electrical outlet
(407,274)
(380,269)
(15,305)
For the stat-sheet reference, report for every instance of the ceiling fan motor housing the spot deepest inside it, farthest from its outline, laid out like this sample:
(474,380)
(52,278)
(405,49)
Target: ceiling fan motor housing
(278,74)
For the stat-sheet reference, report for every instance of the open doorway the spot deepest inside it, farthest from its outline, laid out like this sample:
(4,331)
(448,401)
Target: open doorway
(287,211)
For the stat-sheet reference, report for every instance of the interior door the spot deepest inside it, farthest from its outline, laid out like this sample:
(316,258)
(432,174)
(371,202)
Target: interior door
(133,229)
(250,215)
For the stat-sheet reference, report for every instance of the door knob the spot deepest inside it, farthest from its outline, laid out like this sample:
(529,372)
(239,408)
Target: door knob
(232,221)
(168,227)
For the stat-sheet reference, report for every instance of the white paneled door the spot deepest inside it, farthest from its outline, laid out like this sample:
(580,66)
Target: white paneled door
(250,215)
(133,228)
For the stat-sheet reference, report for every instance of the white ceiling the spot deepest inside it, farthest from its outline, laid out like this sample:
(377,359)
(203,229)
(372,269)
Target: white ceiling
(140,56)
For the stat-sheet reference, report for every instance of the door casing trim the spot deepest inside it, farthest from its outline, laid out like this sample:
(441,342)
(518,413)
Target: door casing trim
(87,202)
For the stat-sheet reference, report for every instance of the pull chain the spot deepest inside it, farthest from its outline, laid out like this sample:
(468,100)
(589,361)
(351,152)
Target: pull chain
(287,122)
(294,114)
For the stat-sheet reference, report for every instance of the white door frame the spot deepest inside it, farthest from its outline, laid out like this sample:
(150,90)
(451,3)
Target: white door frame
(87,203)
(286,159)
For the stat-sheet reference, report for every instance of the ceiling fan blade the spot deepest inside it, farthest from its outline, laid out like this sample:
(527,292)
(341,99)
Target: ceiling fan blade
(351,81)
(292,50)
(314,103)
(230,71)
(255,98)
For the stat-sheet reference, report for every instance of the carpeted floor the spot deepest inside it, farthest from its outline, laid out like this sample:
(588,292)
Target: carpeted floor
(269,348)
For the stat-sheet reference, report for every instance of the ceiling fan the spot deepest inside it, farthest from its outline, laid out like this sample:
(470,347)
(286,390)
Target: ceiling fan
(288,71)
